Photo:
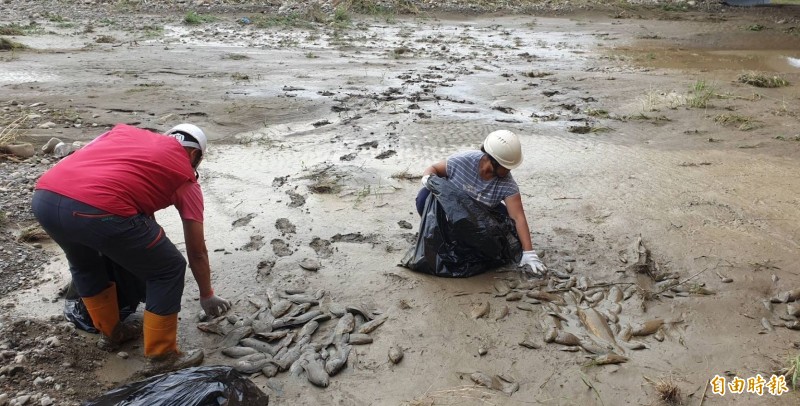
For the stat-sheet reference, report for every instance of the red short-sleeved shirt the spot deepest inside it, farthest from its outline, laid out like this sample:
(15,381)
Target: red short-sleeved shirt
(129,171)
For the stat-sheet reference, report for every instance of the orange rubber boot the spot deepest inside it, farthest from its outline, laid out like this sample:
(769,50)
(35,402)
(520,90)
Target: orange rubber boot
(104,310)
(161,345)
(160,334)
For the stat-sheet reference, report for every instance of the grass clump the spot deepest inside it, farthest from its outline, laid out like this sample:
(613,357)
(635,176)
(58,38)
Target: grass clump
(240,77)
(701,94)
(105,39)
(597,113)
(760,80)
(235,57)
(9,45)
(11,30)
(743,123)
(341,17)
(193,18)
(755,27)
(793,372)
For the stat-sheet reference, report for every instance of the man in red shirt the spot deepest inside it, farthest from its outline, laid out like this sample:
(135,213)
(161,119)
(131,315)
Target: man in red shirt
(99,202)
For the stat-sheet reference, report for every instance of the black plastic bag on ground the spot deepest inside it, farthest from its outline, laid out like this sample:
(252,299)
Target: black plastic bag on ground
(459,236)
(130,292)
(200,386)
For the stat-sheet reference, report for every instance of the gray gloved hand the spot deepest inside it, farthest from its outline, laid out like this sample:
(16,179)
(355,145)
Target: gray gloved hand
(531,259)
(214,305)
(425,180)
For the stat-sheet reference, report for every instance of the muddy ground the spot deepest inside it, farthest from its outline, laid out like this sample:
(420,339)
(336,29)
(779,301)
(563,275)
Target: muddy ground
(634,123)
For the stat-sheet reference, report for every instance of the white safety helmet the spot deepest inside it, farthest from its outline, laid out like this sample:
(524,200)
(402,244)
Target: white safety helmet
(504,147)
(189,135)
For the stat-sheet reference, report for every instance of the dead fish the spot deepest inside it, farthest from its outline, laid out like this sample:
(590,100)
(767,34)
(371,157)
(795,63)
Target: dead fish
(569,299)
(308,329)
(298,310)
(262,326)
(252,365)
(259,346)
(211,327)
(395,354)
(583,283)
(480,310)
(502,313)
(570,283)
(234,336)
(597,325)
(336,309)
(668,284)
(792,325)
(611,316)
(294,291)
(345,325)
(788,296)
(258,302)
(625,333)
(560,274)
(273,335)
(787,317)
(502,288)
(310,264)
(609,358)
(315,372)
(766,324)
(270,370)
(527,343)
(629,292)
(281,307)
(514,296)
(561,337)
(319,294)
(359,339)
(359,320)
(659,335)
(359,310)
(525,306)
(646,328)
(238,351)
(295,321)
(595,297)
(635,346)
(570,348)
(370,326)
(301,299)
(615,294)
(793,310)
(615,308)
(495,382)
(531,300)
(545,296)
(593,348)
(335,364)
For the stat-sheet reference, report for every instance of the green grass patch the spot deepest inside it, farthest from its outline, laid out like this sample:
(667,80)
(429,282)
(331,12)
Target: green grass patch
(193,18)
(56,18)
(240,77)
(760,80)
(341,17)
(701,93)
(755,27)
(152,31)
(235,57)
(12,30)
(743,123)
(105,39)
(597,113)
(9,45)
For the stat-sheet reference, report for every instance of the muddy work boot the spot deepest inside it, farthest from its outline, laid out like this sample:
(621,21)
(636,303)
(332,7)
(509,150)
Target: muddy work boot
(122,333)
(173,361)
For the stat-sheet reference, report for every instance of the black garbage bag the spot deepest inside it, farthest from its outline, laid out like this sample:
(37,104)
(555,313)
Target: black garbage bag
(459,236)
(130,292)
(199,386)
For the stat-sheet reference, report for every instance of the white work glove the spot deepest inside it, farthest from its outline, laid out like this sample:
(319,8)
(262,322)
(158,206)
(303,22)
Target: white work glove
(425,181)
(530,258)
(214,305)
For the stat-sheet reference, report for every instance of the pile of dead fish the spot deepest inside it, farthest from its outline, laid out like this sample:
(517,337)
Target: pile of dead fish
(279,335)
(788,318)
(602,319)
